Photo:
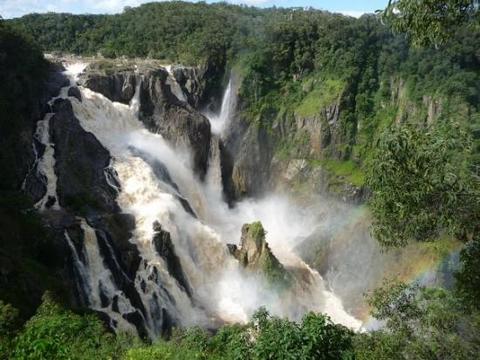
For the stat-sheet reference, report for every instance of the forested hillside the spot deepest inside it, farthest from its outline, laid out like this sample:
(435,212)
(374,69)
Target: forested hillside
(371,118)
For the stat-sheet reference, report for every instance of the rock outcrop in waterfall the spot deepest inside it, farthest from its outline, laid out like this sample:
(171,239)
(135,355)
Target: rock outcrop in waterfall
(255,255)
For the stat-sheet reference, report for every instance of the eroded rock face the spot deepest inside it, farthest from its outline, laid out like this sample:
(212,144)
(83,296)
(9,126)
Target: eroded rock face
(119,87)
(246,157)
(34,183)
(165,249)
(80,164)
(192,82)
(168,105)
(162,112)
(255,255)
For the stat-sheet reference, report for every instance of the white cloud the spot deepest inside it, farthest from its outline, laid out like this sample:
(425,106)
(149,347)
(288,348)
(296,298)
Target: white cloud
(352,13)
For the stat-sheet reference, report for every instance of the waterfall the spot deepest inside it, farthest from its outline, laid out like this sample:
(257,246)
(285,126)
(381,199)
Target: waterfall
(157,186)
(98,283)
(45,165)
(219,122)
(174,86)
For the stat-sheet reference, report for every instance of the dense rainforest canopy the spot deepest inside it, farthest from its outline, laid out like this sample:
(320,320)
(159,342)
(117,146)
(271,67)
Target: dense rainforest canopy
(422,168)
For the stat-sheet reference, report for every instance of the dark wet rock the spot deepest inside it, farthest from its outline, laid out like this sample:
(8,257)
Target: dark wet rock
(80,164)
(246,157)
(118,228)
(138,321)
(51,200)
(119,86)
(25,165)
(162,112)
(123,273)
(75,92)
(255,255)
(192,82)
(35,185)
(115,304)
(165,248)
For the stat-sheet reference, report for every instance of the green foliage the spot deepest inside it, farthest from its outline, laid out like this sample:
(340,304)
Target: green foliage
(422,185)
(8,318)
(175,31)
(256,230)
(421,323)
(9,322)
(324,94)
(348,170)
(56,333)
(429,21)
(265,337)
(468,276)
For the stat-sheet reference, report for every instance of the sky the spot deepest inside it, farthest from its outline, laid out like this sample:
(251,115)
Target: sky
(16,8)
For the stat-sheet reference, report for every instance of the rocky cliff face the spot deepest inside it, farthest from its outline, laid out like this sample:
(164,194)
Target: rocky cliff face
(81,163)
(288,151)
(164,112)
(168,103)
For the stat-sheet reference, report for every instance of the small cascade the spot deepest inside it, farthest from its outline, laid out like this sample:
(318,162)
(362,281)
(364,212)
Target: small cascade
(219,122)
(174,85)
(214,174)
(45,165)
(97,281)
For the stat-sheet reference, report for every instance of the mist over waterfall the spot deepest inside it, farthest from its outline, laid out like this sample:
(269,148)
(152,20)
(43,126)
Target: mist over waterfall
(203,284)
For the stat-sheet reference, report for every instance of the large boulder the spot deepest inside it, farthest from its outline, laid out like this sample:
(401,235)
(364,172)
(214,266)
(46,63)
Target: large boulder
(255,255)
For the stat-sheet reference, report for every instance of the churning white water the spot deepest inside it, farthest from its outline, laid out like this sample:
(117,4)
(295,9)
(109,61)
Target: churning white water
(221,289)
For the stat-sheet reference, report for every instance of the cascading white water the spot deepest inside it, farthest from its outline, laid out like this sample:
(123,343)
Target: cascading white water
(174,86)
(222,289)
(219,122)
(45,165)
(99,282)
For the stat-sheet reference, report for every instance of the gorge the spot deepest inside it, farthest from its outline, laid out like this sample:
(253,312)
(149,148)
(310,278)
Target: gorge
(190,180)
(185,275)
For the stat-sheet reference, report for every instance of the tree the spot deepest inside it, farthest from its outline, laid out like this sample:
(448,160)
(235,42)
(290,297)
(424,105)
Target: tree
(422,185)
(56,333)
(468,276)
(429,22)
(420,323)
